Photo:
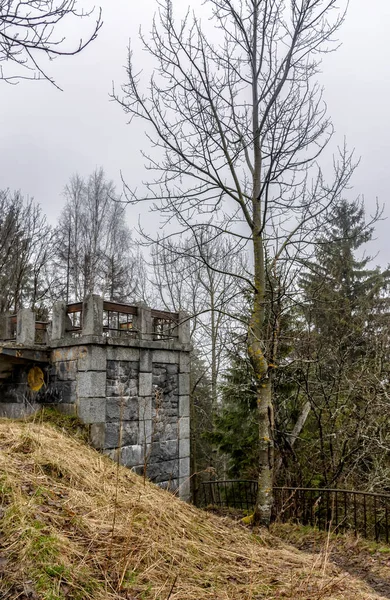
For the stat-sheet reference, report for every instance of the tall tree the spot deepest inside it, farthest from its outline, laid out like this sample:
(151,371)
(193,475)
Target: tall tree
(195,275)
(237,122)
(95,251)
(331,389)
(26,247)
(344,354)
(32,29)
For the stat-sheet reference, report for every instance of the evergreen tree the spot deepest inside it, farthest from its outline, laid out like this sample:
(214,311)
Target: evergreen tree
(331,381)
(343,354)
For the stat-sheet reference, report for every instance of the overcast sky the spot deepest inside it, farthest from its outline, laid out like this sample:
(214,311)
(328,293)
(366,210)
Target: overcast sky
(47,135)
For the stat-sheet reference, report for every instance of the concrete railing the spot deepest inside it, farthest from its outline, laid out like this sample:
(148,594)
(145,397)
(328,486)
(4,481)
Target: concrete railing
(95,317)
(23,328)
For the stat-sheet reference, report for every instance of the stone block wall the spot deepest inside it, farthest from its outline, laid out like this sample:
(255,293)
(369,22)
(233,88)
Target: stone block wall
(135,399)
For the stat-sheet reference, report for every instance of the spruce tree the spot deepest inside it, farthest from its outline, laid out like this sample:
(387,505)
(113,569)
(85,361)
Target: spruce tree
(343,354)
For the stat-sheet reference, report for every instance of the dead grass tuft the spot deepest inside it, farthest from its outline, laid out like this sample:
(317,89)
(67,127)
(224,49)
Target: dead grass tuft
(74,526)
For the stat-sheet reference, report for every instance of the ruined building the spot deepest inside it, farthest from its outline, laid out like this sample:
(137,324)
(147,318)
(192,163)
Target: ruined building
(123,370)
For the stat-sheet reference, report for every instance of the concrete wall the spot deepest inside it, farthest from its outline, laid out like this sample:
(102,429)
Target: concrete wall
(135,399)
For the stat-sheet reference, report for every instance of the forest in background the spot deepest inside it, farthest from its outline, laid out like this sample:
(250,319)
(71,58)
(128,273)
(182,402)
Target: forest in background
(329,315)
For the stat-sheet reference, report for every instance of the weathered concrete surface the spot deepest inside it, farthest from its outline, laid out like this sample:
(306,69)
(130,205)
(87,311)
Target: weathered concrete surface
(25,330)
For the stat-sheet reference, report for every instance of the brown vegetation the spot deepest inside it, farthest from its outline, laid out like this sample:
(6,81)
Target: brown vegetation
(76,526)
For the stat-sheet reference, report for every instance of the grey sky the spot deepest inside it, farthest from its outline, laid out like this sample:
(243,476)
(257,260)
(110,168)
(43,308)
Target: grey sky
(47,135)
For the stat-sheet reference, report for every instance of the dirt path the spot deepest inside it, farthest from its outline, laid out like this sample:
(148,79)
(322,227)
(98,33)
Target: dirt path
(364,560)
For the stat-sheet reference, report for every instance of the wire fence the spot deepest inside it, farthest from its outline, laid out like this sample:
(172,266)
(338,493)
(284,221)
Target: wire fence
(341,510)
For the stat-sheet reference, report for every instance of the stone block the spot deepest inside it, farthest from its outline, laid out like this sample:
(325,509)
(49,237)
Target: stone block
(145,408)
(25,327)
(184,467)
(66,409)
(184,428)
(143,321)
(184,406)
(184,384)
(164,432)
(91,410)
(145,432)
(132,456)
(184,448)
(185,362)
(18,410)
(129,456)
(170,486)
(122,370)
(184,328)
(61,392)
(58,322)
(5,326)
(92,316)
(92,358)
(163,451)
(145,361)
(123,434)
(66,370)
(121,409)
(121,387)
(168,357)
(184,489)
(145,384)
(123,353)
(65,354)
(164,471)
(91,384)
(97,435)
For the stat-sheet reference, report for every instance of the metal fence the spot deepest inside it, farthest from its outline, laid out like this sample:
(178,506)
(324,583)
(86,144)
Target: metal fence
(341,510)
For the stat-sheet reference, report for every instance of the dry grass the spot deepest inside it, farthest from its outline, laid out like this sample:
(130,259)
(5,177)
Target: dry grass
(76,526)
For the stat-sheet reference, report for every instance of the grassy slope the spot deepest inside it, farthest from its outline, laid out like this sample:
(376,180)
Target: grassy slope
(76,526)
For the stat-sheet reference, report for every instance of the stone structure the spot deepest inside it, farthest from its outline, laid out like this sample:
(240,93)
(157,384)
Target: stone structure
(123,370)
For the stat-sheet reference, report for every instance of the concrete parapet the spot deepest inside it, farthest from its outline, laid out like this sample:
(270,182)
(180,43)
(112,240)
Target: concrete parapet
(59,321)
(25,327)
(92,315)
(184,328)
(143,321)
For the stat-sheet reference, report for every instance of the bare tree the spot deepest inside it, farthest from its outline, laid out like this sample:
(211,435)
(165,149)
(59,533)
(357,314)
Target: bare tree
(26,246)
(195,275)
(33,28)
(95,250)
(237,122)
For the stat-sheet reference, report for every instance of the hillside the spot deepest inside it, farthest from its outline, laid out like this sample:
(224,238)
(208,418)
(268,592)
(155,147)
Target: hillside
(76,526)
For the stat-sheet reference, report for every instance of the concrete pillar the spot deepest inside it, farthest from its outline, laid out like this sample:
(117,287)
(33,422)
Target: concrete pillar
(5,326)
(25,328)
(184,328)
(143,322)
(92,316)
(59,320)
